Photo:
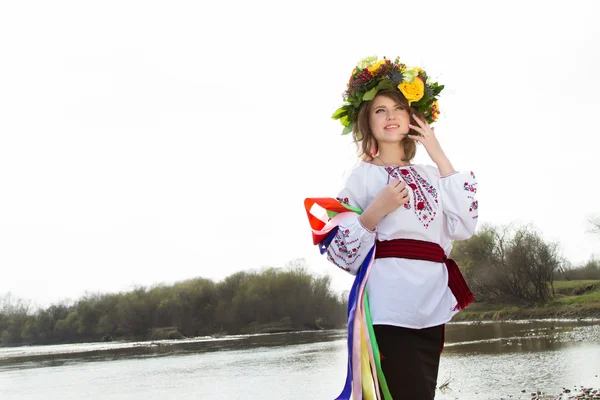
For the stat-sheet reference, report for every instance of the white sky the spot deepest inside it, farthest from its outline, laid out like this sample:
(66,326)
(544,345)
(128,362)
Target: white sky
(145,142)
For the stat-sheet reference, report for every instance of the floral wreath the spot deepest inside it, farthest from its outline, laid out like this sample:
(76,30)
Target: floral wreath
(372,75)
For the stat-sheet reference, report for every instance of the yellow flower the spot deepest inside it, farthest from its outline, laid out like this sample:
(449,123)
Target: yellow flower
(373,68)
(413,91)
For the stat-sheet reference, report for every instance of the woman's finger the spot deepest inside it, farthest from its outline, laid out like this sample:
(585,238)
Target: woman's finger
(422,124)
(418,138)
(420,135)
(416,128)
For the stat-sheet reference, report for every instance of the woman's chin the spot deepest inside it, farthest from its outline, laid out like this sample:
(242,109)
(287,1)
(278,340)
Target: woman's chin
(393,136)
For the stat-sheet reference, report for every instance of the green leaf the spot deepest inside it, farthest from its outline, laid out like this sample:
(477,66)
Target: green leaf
(356,102)
(347,129)
(351,113)
(436,89)
(340,112)
(370,95)
(422,102)
(344,120)
(385,84)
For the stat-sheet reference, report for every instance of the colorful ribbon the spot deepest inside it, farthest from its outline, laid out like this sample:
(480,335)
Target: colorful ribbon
(364,374)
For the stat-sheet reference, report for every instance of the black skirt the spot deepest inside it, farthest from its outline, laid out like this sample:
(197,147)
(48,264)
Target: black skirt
(410,359)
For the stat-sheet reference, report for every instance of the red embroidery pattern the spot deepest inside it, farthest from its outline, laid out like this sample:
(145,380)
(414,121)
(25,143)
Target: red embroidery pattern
(424,198)
(470,187)
(343,200)
(474,206)
(342,252)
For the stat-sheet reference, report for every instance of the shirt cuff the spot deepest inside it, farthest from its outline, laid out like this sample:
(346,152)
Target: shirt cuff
(364,227)
(450,174)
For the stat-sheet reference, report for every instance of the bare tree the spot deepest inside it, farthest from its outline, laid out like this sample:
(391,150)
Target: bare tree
(506,263)
(11,305)
(595,224)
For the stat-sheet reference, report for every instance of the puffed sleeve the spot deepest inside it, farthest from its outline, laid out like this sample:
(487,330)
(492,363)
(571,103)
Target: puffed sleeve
(459,205)
(352,241)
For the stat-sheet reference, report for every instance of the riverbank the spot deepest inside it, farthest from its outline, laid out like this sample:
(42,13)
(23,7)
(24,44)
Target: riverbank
(489,360)
(574,300)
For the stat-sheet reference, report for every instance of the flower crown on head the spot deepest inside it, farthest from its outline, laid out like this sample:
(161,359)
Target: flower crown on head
(372,75)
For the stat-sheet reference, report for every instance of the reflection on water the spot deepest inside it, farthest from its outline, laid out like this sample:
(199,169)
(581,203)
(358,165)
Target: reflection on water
(506,337)
(41,356)
(483,361)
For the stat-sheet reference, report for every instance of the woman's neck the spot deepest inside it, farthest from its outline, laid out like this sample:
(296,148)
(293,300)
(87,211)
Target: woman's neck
(391,156)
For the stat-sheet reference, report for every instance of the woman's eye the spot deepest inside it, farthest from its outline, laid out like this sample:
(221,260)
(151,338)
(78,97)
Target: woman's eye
(376,111)
(399,108)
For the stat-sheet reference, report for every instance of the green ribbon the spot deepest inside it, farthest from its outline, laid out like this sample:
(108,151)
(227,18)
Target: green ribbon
(376,355)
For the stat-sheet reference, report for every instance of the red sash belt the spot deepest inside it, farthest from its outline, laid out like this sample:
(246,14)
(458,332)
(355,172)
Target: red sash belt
(428,251)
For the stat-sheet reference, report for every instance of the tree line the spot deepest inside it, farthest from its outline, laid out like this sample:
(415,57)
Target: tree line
(500,263)
(268,300)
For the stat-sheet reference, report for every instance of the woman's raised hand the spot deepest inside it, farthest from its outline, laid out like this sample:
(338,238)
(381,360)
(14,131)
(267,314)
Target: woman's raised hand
(428,139)
(392,196)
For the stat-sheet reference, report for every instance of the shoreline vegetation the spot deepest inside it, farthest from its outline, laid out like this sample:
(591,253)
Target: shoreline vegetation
(267,301)
(513,272)
(271,301)
(577,299)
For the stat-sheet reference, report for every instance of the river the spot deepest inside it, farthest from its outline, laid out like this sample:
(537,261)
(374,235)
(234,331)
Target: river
(495,360)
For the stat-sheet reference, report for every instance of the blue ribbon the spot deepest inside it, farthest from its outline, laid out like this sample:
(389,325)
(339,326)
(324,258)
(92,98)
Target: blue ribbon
(352,305)
(324,243)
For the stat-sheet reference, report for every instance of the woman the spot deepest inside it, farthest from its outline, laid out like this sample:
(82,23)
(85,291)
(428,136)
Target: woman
(407,215)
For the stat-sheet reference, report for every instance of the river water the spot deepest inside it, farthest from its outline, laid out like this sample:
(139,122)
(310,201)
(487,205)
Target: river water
(508,360)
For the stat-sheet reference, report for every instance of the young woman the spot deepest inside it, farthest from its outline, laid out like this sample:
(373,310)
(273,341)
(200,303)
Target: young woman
(409,215)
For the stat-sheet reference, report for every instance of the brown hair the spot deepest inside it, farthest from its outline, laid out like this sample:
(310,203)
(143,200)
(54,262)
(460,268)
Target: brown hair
(362,128)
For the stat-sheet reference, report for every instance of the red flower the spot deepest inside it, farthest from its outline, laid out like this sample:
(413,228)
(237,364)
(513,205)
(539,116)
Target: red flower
(413,186)
(404,172)
(420,205)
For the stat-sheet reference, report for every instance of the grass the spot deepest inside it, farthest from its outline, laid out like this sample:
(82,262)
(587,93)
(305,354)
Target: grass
(568,287)
(574,299)
(577,292)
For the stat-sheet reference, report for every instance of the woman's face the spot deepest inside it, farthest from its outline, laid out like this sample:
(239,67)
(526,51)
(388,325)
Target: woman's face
(388,120)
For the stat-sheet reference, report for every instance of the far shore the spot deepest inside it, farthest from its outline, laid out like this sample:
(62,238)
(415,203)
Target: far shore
(573,300)
(502,312)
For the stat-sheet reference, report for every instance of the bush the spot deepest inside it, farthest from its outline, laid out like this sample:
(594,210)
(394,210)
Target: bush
(508,264)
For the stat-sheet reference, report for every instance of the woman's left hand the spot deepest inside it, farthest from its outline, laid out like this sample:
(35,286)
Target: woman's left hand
(428,139)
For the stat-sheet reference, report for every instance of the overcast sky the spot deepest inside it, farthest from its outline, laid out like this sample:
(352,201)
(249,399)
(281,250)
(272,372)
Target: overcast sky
(146,142)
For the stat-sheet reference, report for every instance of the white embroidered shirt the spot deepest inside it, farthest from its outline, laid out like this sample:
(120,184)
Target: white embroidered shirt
(403,292)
